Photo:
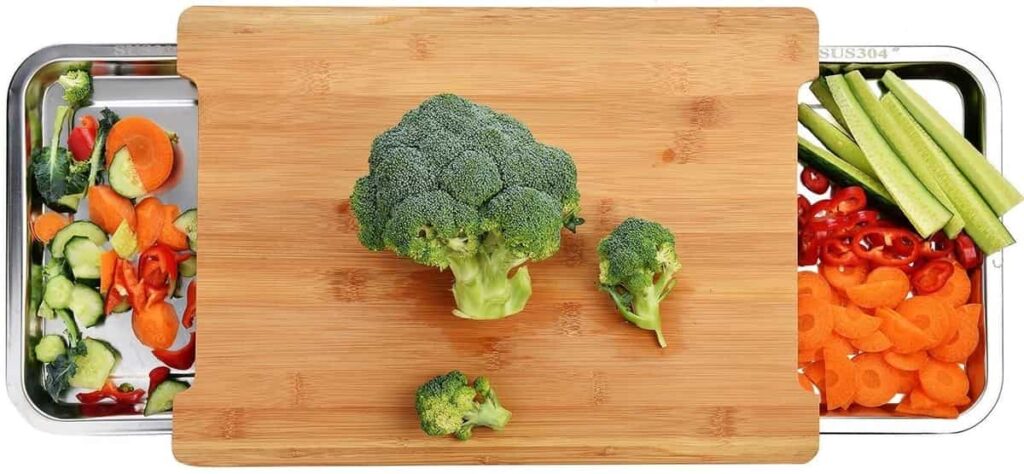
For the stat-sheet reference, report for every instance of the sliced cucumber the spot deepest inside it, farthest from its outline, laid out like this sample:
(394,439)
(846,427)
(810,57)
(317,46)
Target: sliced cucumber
(123,177)
(94,367)
(980,222)
(820,90)
(83,255)
(187,268)
(924,212)
(57,294)
(161,399)
(188,222)
(76,229)
(1000,195)
(834,138)
(87,305)
(124,241)
(54,268)
(844,173)
(49,348)
(70,326)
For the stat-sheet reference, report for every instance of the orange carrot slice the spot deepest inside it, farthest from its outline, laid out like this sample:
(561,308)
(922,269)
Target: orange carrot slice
(931,314)
(805,382)
(854,323)
(907,380)
(905,336)
(840,380)
(957,289)
(815,373)
(150,214)
(170,234)
(808,356)
(877,381)
(888,274)
(876,342)
(108,209)
(843,277)
(814,322)
(839,344)
(918,403)
(908,362)
(150,148)
(971,313)
(944,382)
(811,283)
(48,224)
(156,326)
(965,341)
(107,261)
(884,287)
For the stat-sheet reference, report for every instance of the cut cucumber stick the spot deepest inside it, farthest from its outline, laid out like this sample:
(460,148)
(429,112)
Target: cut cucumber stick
(820,90)
(834,138)
(980,222)
(1000,195)
(924,212)
(903,143)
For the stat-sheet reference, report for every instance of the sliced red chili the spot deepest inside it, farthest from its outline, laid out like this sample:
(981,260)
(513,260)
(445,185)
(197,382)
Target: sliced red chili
(180,359)
(938,246)
(188,317)
(862,218)
(124,393)
(932,276)
(850,199)
(157,376)
(886,246)
(802,206)
(813,180)
(839,251)
(808,249)
(966,252)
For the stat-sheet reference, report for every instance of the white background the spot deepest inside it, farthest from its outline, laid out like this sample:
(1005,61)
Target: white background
(990,29)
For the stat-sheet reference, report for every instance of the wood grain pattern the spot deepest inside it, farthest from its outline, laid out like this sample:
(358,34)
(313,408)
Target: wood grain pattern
(312,347)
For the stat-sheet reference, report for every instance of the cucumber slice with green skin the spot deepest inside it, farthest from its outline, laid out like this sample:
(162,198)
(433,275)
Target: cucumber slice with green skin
(87,305)
(93,368)
(49,348)
(123,177)
(1000,195)
(906,146)
(834,138)
(84,258)
(162,398)
(124,241)
(76,229)
(820,90)
(70,326)
(54,268)
(924,212)
(187,268)
(57,294)
(980,221)
(844,173)
(188,222)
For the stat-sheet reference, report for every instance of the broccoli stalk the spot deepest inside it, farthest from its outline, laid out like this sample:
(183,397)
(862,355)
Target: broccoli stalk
(448,405)
(638,262)
(483,288)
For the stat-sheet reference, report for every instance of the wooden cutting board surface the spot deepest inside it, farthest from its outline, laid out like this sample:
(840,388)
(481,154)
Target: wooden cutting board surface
(312,347)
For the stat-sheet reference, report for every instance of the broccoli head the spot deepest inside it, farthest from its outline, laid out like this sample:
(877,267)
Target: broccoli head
(448,405)
(456,185)
(77,86)
(637,262)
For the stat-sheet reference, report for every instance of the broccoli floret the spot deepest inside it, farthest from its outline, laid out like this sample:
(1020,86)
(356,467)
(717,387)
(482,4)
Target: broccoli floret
(456,185)
(77,86)
(637,262)
(448,405)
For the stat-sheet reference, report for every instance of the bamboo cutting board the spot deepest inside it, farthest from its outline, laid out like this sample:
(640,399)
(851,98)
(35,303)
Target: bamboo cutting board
(312,347)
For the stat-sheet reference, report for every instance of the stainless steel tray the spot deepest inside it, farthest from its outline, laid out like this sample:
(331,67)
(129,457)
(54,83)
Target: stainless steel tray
(143,78)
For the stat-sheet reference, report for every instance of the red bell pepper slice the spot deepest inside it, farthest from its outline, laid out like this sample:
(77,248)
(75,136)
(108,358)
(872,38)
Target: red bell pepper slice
(931,276)
(813,180)
(892,247)
(158,266)
(81,143)
(124,393)
(157,376)
(180,359)
(966,252)
(188,317)
(850,199)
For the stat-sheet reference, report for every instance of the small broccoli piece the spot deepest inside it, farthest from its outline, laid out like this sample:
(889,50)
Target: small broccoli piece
(637,262)
(456,185)
(77,86)
(448,405)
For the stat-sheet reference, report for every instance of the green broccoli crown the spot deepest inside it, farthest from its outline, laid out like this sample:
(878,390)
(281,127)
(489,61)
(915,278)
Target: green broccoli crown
(77,86)
(448,405)
(451,172)
(635,252)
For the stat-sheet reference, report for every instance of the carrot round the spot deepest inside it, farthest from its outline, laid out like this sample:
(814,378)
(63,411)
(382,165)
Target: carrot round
(107,261)
(957,289)
(170,234)
(108,209)
(815,374)
(884,287)
(808,356)
(151,152)
(944,382)
(905,336)
(877,381)
(839,344)
(805,382)
(843,277)
(811,283)
(907,380)
(876,342)
(840,380)
(150,215)
(156,325)
(907,362)
(964,342)
(918,403)
(853,323)
(48,224)
(970,312)
(933,315)
(814,322)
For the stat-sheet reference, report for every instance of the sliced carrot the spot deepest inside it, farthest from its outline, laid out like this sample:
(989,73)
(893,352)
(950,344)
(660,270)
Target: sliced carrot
(840,380)
(107,261)
(805,382)
(811,283)
(888,274)
(877,381)
(170,234)
(815,372)
(917,403)
(808,356)
(839,344)
(907,380)
(108,209)
(814,322)
(854,323)
(957,289)
(876,342)
(884,287)
(843,277)
(905,336)
(150,214)
(150,148)
(908,362)
(944,382)
(971,313)
(964,342)
(931,314)
(156,325)
(48,224)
